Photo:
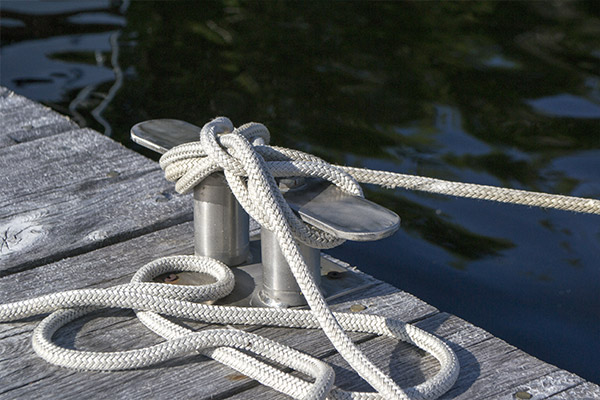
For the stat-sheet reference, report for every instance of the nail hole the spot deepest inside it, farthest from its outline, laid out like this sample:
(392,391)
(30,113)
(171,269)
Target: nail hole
(334,275)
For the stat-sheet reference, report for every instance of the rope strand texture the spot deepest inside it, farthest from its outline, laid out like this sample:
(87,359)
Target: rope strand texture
(250,166)
(221,344)
(250,170)
(474,191)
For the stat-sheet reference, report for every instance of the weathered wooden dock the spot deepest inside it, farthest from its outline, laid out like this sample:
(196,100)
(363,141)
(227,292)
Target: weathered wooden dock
(80,210)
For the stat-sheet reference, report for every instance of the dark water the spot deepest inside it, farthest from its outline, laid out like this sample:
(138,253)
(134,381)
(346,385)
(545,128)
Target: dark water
(500,93)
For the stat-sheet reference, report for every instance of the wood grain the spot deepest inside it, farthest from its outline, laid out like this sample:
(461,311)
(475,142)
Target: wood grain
(77,191)
(23,120)
(583,391)
(26,375)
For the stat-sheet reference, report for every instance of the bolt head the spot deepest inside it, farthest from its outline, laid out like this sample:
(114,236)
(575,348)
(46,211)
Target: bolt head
(357,308)
(523,395)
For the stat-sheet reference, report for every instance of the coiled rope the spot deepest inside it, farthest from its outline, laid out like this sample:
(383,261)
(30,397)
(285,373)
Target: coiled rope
(250,166)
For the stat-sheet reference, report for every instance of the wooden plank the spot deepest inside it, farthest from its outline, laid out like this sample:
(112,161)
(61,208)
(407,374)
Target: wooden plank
(583,391)
(23,120)
(395,303)
(109,266)
(77,194)
(490,368)
(542,387)
(27,375)
(406,364)
(11,102)
(498,367)
(77,191)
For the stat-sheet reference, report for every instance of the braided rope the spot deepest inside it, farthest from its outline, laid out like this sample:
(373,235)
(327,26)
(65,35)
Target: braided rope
(223,345)
(250,170)
(250,166)
(474,191)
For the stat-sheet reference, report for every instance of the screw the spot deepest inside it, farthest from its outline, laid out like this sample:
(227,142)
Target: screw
(357,308)
(523,395)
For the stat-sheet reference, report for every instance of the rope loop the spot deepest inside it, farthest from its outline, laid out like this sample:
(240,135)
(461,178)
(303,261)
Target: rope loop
(250,166)
(235,348)
(210,141)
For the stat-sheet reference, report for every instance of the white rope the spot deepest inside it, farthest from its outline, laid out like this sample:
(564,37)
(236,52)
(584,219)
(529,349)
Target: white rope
(251,179)
(141,294)
(250,170)
(474,191)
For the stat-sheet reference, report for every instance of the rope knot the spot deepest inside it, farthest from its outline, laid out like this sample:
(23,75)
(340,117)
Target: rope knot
(218,135)
(250,166)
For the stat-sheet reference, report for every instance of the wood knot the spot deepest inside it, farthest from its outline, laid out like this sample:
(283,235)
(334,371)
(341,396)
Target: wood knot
(20,233)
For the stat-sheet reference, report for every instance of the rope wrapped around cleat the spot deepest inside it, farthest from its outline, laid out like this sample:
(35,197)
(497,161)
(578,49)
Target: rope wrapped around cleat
(250,166)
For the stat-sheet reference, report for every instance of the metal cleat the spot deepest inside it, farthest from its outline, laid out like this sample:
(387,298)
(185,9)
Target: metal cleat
(221,228)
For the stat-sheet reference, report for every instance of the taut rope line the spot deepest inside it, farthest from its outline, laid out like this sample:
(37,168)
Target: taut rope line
(250,166)
(474,191)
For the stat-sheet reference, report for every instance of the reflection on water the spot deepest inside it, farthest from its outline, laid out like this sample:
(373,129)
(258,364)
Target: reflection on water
(566,105)
(52,69)
(494,93)
(49,69)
